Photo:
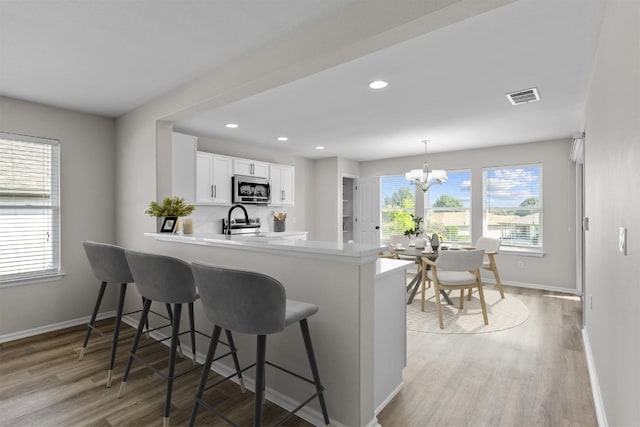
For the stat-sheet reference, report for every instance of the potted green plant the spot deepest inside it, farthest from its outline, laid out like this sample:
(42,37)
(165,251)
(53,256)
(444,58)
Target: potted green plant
(416,230)
(170,206)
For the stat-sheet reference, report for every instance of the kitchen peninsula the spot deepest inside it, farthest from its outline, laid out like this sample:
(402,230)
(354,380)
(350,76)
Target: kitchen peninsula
(359,334)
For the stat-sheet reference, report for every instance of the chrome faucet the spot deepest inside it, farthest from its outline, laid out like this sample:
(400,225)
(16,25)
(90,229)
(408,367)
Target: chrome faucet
(246,217)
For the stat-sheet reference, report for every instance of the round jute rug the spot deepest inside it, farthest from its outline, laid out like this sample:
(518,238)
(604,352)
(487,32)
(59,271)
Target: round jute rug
(503,313)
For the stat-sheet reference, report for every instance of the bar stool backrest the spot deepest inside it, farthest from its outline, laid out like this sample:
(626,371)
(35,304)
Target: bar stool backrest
(465,260)
(162,278)
(241,301)
(108,262)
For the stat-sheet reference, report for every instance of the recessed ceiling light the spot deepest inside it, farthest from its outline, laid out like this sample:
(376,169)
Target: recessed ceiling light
(231,125)
(378,84)
(283,138)
(319,147)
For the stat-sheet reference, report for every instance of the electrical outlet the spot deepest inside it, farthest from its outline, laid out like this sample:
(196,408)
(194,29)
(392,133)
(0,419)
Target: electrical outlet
(520,264)
(622,241)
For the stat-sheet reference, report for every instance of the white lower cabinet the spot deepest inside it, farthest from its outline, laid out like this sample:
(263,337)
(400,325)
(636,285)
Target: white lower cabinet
(282,185)
(213,179)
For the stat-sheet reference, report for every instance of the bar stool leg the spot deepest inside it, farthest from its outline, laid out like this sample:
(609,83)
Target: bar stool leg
(192,325)
(92,322)
(175,340)
(134,346)
(260,365)
(170,315)
(146,323)
(116,332)
(205,373)
(236,363)
(304,327)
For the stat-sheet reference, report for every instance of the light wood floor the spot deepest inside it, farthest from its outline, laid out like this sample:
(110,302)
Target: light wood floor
(531,375)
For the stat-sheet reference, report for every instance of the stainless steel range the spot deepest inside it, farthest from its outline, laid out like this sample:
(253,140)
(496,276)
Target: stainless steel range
(241,226)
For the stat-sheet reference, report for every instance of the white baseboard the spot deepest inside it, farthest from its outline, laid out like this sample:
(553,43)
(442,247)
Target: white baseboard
(388,399)
(54,327)
(595,385)
(537,286)
(307,413)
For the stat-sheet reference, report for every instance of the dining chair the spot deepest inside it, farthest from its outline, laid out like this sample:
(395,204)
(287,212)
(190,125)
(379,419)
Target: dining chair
(491,248)
(454,270)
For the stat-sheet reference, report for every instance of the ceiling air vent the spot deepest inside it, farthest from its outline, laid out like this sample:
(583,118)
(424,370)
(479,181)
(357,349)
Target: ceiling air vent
(523,96)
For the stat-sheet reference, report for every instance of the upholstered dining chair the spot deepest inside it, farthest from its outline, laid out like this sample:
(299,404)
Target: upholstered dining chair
(491,248)
(454,270)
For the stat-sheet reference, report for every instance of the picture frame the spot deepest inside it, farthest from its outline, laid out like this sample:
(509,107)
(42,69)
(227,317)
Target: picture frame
(169,224)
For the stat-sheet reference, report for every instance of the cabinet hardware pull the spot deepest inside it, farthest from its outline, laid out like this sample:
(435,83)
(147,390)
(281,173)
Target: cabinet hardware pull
(212,191)
(215,191)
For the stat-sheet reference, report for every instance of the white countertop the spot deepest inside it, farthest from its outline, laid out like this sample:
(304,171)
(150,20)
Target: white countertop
(344,252)
(388,265)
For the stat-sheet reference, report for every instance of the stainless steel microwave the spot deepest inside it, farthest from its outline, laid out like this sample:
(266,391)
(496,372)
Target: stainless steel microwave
(251,189)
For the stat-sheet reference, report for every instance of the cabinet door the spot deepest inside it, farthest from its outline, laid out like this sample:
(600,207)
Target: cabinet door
(250,168)
(242,167)
(261,169)
(221,179)
(204,186)
(282,185)
(287,185)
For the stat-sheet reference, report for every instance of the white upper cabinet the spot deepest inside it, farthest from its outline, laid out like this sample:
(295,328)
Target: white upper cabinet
(282,185)
(183,163)
(213,179)
(250,168)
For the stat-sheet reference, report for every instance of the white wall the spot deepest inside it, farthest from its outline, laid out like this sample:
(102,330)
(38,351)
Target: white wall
(612,156)
(556,269)
(87,191)
(327,187)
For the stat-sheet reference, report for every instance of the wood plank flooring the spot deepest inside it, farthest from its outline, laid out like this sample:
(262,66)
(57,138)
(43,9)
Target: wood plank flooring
(42,383)
(531,375)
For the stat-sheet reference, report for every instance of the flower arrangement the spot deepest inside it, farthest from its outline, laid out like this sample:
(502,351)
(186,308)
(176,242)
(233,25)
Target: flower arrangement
(280,216)
(171,206)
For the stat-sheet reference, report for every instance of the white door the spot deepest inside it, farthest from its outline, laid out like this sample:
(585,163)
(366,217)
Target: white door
(367,211)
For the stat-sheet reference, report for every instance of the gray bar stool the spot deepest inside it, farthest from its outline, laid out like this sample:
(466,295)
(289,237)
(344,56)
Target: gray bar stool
(256,304)
(167,280)
(109,265)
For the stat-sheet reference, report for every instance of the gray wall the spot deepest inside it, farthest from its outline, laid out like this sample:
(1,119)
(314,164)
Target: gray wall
(87,191)
(556,269)
(612,155)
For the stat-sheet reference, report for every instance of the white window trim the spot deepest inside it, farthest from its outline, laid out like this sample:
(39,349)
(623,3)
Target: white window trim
(40,276)
(537,251)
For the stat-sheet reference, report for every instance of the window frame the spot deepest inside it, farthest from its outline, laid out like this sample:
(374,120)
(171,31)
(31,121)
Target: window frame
(426,208)
(506,246)
(52,208)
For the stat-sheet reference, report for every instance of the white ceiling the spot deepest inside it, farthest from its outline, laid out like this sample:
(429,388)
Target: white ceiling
(448,86)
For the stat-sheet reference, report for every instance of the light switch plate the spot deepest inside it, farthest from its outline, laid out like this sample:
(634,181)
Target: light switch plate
(622,242)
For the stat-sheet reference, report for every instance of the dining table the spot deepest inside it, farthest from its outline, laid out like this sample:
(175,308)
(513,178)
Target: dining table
(411,252)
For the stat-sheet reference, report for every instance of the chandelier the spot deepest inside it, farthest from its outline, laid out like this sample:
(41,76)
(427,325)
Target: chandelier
(424,178)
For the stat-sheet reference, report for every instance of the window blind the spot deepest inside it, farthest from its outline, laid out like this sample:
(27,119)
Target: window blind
(29,207)
(513,205)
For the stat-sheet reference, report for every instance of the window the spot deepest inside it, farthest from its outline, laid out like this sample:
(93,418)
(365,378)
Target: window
(29,207)
(447,208)
(398,200)
(513,206)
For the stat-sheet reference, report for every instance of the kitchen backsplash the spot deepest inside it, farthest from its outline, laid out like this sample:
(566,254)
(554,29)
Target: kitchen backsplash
(208,219)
